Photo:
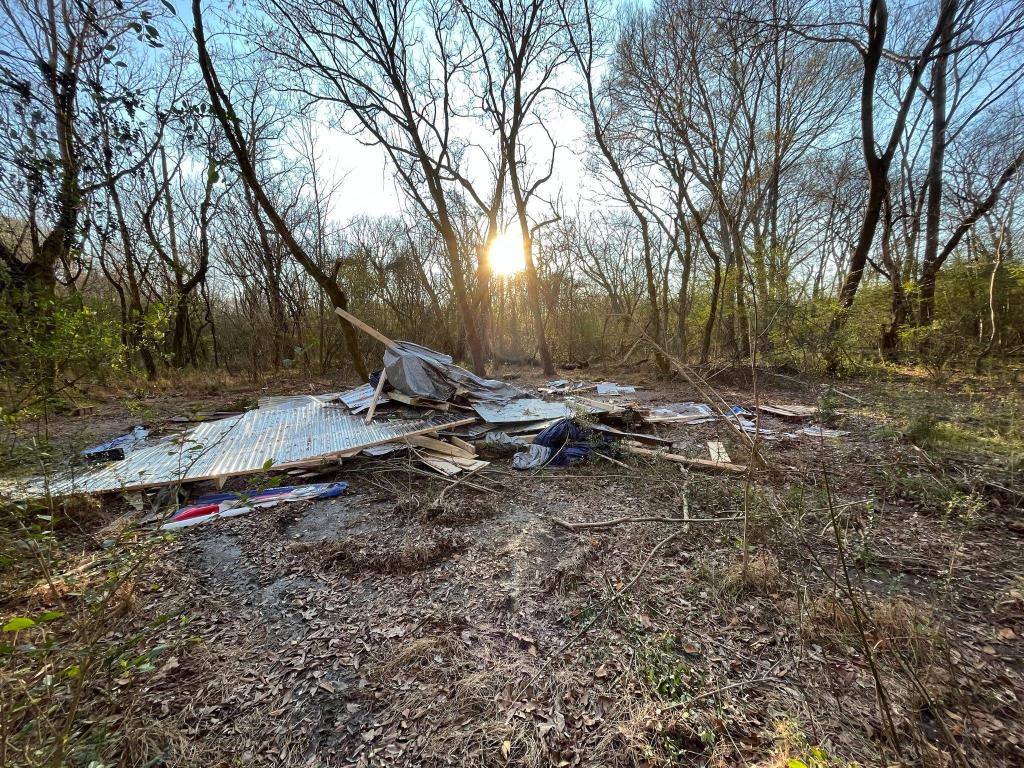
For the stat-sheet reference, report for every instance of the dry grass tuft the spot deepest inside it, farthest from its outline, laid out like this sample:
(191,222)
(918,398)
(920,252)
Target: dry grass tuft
(443,511)
(570,569)
(762,575)
(80,507)
(141,739)
(431,657)
(897,622)
(410,506)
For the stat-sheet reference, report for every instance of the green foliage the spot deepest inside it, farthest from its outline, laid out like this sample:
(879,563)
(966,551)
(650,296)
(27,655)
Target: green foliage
(50,658)
(50,344)
(665,665)
(828,406)
(155,323)
(935,346)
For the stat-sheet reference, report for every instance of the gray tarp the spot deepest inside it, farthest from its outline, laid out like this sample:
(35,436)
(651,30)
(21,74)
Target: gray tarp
(421,372)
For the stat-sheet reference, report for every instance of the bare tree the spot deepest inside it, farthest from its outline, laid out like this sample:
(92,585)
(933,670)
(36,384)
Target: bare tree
(586,47)
(54,58)
(395,69)
(225,113)
(521,48)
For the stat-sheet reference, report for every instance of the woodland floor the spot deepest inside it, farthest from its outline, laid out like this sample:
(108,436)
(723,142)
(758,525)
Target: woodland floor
(388,627)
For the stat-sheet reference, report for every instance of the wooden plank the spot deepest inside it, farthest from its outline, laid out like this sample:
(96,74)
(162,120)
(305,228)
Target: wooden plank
(376,395)
(789,412)
(718,453)
(368,330)
(686,460)
(600,406)
(401,397)
(445,467)
(470,464)
(439,446)
(682,418)
(468,447)
(419,402)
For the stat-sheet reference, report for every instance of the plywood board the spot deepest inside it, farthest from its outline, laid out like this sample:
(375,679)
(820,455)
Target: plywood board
(718,453)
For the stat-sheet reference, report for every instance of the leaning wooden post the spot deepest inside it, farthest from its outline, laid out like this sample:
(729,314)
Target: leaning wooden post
(376,394)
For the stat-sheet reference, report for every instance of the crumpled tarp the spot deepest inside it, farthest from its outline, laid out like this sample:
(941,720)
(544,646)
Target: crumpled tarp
(232,504)
(421,372)
(118,448)
(564,442)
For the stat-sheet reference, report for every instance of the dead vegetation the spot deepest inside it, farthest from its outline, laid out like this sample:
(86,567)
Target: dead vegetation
(416,551)
(757,574)
(413,622)
(893,623)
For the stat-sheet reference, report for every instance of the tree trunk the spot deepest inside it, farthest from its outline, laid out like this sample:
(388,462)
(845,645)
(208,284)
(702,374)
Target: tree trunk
(533,297)
(709,325)
(936,160)
(221,107)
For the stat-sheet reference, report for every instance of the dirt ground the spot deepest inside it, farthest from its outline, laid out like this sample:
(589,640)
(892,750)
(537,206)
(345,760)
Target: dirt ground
(415,622)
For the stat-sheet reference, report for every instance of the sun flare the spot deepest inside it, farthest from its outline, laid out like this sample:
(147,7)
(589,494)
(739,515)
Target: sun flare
(506,254)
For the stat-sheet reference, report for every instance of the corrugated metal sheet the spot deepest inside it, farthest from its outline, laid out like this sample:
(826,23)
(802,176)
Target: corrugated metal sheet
(358,400)
(524,409)
(294,401)
(264,438)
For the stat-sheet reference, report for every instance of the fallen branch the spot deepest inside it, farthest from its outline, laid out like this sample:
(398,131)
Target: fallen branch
(622,520)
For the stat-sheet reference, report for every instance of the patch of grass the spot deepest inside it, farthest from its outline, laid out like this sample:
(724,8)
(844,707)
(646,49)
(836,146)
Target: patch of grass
(897,622)
(72,639)
(794,750)
(665,662)
(427,657)
(447,511)
(570,569)
(922,487)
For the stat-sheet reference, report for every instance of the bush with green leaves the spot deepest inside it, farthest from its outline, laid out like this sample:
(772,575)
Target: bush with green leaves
(51,345)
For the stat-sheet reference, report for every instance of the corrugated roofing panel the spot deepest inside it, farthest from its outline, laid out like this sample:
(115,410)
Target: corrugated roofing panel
(358,399)
(524,409)
(254,441)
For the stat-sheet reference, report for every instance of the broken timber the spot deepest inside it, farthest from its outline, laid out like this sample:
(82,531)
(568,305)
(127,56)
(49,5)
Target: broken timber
(738,469)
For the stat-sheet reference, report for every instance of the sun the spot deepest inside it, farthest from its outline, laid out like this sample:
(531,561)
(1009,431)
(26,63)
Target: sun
(506,254)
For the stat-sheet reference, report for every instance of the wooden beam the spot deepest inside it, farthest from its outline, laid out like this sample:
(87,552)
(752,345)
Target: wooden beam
(467,447)
(738,469)
(439,446)
(376,395)
(369,331)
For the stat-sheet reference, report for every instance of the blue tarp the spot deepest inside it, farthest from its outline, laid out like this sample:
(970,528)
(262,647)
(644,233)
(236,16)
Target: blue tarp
(564,442)
(118,448)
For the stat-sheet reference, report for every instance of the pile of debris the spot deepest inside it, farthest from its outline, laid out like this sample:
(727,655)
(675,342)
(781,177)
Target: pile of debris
(421,406)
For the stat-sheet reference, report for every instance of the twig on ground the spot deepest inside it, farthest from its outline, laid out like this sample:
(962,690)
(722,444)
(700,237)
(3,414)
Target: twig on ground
(769,678)
(622,520)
